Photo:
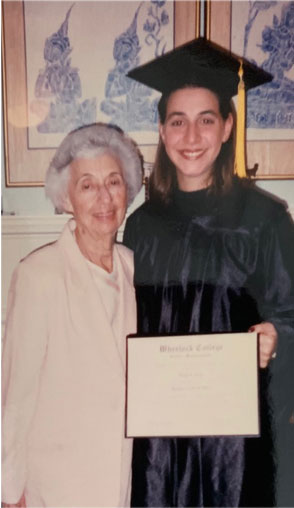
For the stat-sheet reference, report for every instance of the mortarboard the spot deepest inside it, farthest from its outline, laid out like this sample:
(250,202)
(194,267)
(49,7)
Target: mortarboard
(203,63)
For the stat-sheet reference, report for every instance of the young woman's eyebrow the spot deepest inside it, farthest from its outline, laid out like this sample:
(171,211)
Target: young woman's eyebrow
(208,112)
(181,113)
(175,113)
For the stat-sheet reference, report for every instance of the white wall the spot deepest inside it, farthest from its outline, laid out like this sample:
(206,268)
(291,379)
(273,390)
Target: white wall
(283,189)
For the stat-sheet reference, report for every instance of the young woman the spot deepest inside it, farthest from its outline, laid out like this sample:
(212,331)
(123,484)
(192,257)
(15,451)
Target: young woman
(212,254)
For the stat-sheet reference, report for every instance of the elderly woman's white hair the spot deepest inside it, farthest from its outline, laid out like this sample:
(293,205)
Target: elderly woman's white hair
(90,141)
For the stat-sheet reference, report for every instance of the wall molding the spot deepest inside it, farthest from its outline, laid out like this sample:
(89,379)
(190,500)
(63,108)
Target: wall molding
(27,225)
(34,225)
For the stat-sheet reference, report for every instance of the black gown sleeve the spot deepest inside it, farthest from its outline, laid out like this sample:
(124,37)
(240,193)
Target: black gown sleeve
(278,259)
(129,236)
(276,272)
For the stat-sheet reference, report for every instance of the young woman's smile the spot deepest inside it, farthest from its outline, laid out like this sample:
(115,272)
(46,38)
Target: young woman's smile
(193,134)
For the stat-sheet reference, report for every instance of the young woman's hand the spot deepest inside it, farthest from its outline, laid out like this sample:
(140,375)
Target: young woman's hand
(268,339)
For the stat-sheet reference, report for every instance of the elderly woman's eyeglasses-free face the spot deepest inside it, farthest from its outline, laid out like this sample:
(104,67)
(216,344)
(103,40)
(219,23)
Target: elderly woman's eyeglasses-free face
(97,195)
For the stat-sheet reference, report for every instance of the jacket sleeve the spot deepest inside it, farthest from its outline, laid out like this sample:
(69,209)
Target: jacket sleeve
(24,351)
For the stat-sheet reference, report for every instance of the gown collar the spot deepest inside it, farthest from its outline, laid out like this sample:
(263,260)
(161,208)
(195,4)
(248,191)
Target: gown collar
(200,202)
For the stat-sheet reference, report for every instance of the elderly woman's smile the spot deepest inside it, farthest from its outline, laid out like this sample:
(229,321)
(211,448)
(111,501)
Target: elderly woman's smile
(97,195)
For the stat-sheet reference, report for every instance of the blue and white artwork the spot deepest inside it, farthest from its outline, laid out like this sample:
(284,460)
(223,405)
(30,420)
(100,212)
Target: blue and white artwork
(263,32)
(61,82)
(128,103)
(77,57)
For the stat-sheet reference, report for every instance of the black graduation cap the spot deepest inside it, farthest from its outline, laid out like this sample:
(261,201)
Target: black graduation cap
(201,63)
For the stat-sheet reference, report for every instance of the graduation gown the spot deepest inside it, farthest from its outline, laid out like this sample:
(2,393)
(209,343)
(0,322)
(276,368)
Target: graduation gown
(207,263)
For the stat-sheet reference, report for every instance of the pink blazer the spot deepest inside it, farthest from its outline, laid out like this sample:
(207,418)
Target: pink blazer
(64,382)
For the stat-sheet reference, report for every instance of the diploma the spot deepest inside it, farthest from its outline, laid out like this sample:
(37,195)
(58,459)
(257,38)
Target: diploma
(192,385)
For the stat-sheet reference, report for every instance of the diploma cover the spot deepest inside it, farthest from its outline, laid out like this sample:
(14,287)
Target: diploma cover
(192,385)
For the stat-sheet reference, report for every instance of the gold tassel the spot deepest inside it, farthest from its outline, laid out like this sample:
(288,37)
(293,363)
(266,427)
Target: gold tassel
(240,164)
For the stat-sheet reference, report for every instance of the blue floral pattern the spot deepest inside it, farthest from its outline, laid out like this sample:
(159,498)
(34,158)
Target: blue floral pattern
(272,105)
(61,82)
(137,111)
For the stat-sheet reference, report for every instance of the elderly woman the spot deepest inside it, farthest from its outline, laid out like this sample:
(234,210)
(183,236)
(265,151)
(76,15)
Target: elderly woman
(71,305)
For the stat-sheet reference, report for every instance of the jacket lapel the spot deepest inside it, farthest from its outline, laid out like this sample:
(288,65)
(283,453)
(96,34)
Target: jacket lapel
(87,310)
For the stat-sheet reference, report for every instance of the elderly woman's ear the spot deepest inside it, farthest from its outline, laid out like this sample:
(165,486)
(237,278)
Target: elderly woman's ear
(67,205)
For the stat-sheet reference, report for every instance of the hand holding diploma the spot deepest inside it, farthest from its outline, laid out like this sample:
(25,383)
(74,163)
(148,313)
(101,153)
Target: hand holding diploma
(268,339)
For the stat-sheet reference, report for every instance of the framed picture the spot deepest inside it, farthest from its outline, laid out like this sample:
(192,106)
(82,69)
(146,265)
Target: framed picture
(262,32)
(59,73)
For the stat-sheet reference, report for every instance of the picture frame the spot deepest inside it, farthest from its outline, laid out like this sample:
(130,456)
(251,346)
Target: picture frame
(25,166)
(271,159)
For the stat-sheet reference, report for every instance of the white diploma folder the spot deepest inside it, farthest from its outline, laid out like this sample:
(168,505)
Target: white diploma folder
(192,385)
